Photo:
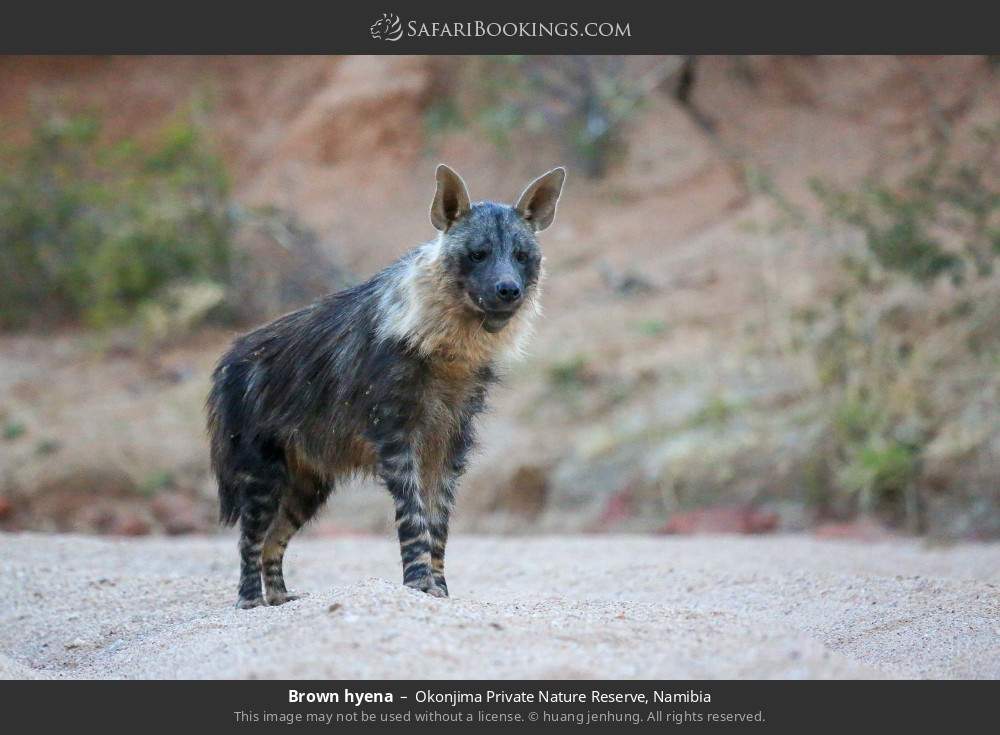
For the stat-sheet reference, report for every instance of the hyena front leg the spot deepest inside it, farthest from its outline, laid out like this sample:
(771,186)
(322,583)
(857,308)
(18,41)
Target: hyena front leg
(439,519)
(443,500)
(397,466)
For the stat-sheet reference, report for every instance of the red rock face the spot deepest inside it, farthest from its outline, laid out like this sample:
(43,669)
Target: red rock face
(724,519)
(860,530)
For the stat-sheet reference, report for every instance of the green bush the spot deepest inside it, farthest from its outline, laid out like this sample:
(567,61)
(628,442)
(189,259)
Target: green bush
(90,230)
(896,358)
(942,219)
(572,373)
(880,471)
(715,413)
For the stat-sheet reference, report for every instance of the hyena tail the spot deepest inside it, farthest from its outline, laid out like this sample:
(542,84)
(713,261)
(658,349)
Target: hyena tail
(229,503)
(225,427)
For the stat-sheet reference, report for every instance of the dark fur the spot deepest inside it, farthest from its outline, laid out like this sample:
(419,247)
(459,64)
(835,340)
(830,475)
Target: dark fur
(356,384)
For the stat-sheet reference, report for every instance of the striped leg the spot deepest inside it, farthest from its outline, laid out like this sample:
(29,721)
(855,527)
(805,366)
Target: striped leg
(439,539)
(399,472)
(285,526)
(260,504)
(298,505)
(443,501)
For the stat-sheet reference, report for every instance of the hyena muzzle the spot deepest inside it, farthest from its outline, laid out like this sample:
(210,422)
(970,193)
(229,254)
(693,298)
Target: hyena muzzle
(385,378)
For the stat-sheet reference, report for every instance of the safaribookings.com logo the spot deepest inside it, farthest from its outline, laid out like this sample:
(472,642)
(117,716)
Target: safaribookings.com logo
(390,28)
(387,28)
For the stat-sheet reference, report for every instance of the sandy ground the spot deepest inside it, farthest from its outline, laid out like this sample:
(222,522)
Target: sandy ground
(763,607)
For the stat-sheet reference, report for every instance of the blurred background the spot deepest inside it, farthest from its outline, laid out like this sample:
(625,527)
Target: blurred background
(771,300)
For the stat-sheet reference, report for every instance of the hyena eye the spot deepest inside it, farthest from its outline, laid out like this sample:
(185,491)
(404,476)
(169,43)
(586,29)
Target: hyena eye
(477,256)
(521,257)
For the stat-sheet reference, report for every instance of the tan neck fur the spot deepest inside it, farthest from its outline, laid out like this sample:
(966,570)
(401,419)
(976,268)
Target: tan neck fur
(425,312)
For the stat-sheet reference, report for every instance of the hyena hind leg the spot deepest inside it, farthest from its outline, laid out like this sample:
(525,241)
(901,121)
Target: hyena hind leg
(296,509)
(256,516)
(273,554)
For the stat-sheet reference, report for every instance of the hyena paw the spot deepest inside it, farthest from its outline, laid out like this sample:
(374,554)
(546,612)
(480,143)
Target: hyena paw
(428,585)
(280,598)
(441,584)
(247,603)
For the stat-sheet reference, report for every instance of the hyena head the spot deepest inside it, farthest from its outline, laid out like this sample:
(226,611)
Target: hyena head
(489,250)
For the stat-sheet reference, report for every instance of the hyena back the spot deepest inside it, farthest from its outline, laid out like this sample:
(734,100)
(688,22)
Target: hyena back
(385,379)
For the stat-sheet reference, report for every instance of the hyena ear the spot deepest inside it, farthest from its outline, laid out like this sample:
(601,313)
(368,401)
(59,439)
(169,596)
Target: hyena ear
(451,200)
(538,202)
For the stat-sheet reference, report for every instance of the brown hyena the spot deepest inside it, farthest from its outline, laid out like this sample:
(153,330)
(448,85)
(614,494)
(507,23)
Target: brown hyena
(385,378)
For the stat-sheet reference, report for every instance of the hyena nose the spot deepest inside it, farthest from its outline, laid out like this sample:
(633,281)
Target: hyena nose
(508,291)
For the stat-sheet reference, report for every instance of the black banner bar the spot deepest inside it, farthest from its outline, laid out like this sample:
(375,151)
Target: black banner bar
(395,27)
(231,706)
